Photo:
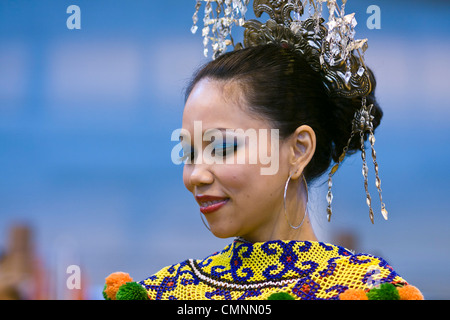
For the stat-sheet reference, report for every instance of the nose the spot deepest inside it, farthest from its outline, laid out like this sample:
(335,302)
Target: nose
(196,175)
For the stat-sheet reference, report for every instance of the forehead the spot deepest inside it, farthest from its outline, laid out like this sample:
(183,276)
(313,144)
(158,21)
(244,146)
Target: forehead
(219,104)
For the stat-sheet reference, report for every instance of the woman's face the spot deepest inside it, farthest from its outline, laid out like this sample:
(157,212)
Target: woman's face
(234,196)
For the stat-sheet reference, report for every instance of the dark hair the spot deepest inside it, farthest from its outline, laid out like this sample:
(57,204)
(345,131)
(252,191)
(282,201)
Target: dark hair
(279,84)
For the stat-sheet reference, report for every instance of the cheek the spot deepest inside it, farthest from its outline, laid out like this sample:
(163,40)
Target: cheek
(239,180)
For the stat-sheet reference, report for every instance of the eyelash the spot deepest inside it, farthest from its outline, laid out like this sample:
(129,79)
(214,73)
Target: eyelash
(191,155)
(226,147)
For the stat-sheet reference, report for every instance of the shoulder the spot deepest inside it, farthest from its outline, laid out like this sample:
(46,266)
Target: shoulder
(369,277)
(121,286)
(170,282)
(177,270)
(367,269)
(171,271)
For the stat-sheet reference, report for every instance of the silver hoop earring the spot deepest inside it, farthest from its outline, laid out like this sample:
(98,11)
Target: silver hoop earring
(201,217)
(284,200)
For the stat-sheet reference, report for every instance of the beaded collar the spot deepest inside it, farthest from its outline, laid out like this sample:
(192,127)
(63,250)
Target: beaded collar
(244,265)
(244,270)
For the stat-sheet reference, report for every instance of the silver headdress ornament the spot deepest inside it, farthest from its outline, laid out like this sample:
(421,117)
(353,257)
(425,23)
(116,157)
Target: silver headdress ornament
(331,49)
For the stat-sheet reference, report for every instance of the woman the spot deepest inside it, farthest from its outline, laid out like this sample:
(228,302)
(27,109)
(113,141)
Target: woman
(275,254)
(276,250)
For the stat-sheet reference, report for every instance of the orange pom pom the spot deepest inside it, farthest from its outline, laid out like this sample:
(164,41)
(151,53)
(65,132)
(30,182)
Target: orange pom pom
(353,294)
(409,292)
(114,281)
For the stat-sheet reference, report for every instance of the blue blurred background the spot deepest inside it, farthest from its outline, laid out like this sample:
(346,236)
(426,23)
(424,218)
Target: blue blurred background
(86,118)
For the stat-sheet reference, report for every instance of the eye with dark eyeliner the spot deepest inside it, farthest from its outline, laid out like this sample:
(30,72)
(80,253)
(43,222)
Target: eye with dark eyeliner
(225,149)
(222,150)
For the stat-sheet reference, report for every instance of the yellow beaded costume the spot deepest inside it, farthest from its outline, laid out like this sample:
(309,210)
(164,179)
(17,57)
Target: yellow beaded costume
(243,270)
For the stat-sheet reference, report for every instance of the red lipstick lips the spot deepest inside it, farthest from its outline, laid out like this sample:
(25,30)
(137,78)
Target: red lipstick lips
(210,204)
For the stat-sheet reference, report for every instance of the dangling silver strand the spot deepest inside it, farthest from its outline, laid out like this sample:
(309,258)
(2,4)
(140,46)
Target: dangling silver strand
(332,172)
(366,125)
(362,123)
(377,178)
(329,197)
(217,23)
(365,171)
(194,27)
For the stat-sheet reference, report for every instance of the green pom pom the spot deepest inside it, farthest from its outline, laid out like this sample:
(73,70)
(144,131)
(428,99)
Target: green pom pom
(132,291)
(105,296)
(280,296)
(386,291)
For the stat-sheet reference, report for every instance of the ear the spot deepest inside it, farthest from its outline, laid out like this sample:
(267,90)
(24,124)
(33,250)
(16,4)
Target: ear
(302,149)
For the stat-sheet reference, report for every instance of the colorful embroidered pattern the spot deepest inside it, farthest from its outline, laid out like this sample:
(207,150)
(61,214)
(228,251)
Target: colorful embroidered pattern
(303,269)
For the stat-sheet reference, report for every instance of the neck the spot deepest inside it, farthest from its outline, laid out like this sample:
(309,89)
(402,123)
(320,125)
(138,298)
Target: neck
(283,223)
(281,230)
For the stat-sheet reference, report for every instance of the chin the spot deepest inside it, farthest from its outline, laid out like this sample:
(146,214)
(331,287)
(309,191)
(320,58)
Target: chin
(222,233)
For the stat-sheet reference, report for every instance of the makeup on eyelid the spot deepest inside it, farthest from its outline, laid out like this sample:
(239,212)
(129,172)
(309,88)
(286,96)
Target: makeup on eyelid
(223,150)
(214,146)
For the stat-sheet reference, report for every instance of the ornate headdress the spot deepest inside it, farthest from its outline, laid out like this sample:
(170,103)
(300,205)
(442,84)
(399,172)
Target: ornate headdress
(329,48)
